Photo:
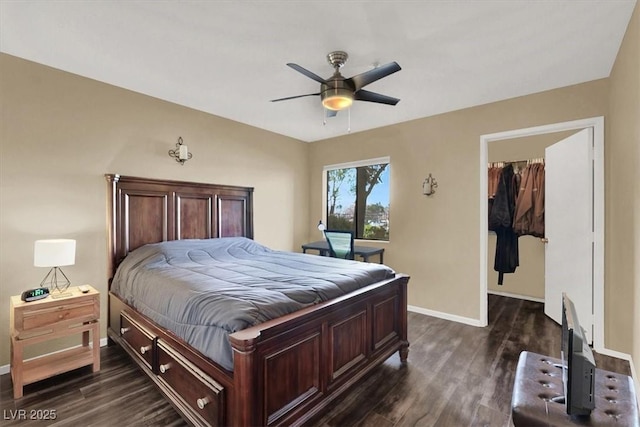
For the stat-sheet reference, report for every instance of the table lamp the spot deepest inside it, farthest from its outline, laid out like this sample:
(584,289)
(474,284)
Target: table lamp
(54,253)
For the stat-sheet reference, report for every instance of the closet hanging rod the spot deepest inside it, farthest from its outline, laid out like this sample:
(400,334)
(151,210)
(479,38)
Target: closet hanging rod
(527,161)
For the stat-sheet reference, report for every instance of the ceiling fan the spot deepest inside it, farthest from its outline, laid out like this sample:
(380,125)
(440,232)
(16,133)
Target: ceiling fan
(338,93)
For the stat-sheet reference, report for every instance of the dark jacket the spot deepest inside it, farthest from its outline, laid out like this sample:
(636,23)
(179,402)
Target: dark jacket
(501,221)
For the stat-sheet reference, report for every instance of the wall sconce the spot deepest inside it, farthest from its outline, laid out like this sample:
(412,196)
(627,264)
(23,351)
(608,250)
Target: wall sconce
(321,226)
(429,186)
(181,153)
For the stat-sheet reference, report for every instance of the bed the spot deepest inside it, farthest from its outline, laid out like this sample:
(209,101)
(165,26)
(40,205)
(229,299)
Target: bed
(279,368)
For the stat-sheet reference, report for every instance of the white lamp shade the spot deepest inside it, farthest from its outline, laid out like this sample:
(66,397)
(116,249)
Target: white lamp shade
(54,252)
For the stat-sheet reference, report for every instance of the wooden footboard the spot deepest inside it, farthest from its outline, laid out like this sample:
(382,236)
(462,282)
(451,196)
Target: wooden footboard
(288,369)
(285,370)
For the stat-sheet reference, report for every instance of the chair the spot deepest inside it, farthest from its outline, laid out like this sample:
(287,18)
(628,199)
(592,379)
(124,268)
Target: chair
(340,243)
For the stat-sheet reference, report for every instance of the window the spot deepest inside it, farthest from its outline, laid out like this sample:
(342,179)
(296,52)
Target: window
(357,198)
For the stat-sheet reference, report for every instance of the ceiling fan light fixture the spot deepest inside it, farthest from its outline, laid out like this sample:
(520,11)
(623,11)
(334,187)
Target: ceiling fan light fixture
(337,93)
(337,99)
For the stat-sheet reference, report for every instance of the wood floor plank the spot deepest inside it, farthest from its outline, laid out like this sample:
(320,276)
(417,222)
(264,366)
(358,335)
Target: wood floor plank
(373,419)
(365,397)
(461,408)
(488,417)
(428,403)
(456,375)
(415,385)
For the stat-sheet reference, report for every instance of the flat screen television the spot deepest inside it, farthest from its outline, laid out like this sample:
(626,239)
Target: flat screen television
(578,364)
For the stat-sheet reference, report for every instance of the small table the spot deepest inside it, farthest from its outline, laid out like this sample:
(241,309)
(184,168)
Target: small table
(364,251)
(33,322)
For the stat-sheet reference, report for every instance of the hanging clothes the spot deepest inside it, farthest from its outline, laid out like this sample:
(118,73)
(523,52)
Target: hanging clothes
(516,208)
(501,221)
(529,210)
(523,216)
(495,171)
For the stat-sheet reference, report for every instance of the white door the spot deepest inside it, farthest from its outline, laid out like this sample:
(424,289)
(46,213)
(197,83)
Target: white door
(569,227)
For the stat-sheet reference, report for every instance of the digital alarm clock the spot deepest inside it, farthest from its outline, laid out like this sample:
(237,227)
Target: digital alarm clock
(35,294)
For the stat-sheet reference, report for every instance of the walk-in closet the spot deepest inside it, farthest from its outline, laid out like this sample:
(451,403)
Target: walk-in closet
(523,160)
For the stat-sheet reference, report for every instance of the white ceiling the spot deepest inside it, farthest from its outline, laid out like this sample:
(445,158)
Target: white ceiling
(228,57)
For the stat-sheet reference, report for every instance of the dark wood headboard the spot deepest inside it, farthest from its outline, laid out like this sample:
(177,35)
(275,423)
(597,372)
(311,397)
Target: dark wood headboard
(142,210)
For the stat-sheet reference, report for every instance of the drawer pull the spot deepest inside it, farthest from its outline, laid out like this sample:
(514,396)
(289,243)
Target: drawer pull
(124,330)
(164,368)
(202,402)
(144,349)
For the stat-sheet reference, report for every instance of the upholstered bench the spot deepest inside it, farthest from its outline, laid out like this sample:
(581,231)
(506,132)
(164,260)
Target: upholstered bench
(539,379)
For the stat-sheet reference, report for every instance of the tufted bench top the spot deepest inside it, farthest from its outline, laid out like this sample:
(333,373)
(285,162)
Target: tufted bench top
(538,380)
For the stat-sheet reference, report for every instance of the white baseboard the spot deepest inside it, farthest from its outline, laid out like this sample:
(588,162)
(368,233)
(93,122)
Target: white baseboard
(4,369)
(517,296)
(445,316)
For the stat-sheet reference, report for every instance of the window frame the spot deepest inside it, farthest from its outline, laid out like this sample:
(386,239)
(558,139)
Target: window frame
(354,164)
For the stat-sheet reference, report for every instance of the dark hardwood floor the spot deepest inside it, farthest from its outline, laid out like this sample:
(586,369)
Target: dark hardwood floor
(457,375)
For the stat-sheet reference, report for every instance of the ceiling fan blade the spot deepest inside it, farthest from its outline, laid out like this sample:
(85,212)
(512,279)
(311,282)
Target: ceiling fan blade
(306,72)
(361,80)
(294,97)
(365,95)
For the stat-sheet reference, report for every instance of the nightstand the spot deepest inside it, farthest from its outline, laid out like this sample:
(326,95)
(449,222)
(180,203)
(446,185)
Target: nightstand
(47,319)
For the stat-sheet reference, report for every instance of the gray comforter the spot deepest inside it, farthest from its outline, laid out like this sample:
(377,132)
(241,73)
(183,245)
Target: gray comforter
(203,290)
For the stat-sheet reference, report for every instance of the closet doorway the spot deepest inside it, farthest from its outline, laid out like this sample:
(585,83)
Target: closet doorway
(577,161)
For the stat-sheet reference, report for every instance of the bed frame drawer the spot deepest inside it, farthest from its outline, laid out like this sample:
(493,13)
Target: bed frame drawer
(198,394)
(139,340)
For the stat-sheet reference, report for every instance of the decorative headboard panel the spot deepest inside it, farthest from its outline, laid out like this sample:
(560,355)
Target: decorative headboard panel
(142,210)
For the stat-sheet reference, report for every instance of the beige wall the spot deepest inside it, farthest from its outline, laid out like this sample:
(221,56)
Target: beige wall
(436,239)
(61,133)
(622,169)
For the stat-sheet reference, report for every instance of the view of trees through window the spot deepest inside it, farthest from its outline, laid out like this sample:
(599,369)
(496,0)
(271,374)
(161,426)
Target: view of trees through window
(358,201)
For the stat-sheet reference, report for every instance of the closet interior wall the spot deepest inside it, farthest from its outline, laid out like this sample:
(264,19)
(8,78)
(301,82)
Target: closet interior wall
(528,280)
